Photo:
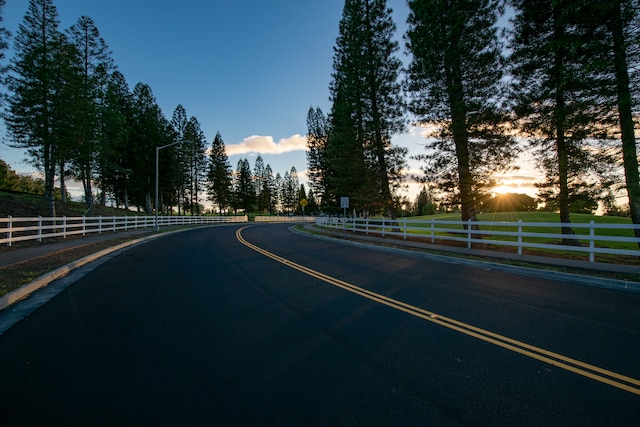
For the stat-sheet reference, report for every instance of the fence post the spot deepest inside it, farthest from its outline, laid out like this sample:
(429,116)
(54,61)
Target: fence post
(404,237)
(469,234)
(592,245)
(382,226)
(39,228)
(433,231)
(114,223)
(9,232)
(84,226)
(519,237)
(100,224)
(64,226)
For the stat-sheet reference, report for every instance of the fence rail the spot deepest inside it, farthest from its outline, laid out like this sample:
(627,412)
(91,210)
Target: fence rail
(591,238)
(284,218)
(21,229)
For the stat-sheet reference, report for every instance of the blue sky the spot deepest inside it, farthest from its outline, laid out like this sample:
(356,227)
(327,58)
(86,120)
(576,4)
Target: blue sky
(247,68)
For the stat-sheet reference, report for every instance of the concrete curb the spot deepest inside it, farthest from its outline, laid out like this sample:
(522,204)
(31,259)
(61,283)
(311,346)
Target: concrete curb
(46,279)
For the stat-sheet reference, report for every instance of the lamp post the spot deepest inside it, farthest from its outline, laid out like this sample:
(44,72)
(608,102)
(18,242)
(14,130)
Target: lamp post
(157,226)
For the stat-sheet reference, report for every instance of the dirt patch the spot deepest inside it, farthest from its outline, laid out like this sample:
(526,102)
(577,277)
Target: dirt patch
(16,275)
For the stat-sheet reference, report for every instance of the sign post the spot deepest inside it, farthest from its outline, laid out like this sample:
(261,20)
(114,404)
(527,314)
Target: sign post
(303,202)
(344,204)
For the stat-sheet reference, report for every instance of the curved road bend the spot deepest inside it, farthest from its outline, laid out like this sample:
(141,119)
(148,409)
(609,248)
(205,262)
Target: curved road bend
(261,326)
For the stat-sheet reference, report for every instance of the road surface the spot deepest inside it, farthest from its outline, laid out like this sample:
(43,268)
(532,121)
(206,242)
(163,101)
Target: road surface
(257,325)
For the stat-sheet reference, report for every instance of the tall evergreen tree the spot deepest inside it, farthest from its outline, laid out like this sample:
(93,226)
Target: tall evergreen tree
(244,190)
(455,82)
(290,187)
(367,107)
(30,116)
(115,165)
(557,94)
(219,176)
(96,65)
(146,133)
(4,45)
(317,136)
(615,28)
(194,148)
(179,122)
(259,180)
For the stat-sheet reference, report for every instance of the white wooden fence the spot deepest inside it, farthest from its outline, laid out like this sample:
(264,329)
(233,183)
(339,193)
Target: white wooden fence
(284,218)
(592,237)
(21,229)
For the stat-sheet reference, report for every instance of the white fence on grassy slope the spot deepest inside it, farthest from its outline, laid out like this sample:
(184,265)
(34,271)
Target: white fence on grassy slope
(21,229)
(590,236)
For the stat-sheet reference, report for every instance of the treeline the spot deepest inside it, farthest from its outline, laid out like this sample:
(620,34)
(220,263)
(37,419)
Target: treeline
(75,116)
(559,80)
(11,181)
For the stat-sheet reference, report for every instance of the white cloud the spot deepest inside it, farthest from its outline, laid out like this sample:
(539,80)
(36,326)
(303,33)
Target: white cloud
(266,145)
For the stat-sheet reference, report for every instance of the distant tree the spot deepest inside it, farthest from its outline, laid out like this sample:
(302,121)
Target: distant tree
(318,129)
(276,193)
(424,203)
(289,190)
(260,182)
(511,202)
(10,180)
(244,190)
(367,109)
(30,116)
(219,175)
(455,82)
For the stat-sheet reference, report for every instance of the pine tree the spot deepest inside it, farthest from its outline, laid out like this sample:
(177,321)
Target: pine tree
(289,190)
(455,82)
(147,132)
(557,94)
(259,180)
(367,108)
(317,137)
(194,149)
(30,116)
(614,27)
(115,166)
(244,190)
(219,174)
(96,65)
(4,45)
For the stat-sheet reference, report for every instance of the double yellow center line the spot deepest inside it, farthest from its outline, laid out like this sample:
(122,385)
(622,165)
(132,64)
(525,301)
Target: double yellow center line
(605,376)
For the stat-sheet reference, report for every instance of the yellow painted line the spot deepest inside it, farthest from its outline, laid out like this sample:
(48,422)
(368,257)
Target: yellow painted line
(596,373)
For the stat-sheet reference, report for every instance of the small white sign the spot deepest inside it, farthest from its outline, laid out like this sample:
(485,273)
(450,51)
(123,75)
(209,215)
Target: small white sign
(344,202)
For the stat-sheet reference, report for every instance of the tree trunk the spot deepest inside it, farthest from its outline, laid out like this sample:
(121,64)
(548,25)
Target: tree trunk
(461,141)
(629,153)
(561,141)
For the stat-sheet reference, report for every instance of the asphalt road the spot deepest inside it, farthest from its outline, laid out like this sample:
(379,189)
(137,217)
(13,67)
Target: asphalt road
(198,328)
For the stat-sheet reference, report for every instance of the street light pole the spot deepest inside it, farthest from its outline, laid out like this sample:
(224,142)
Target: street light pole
(156,226)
